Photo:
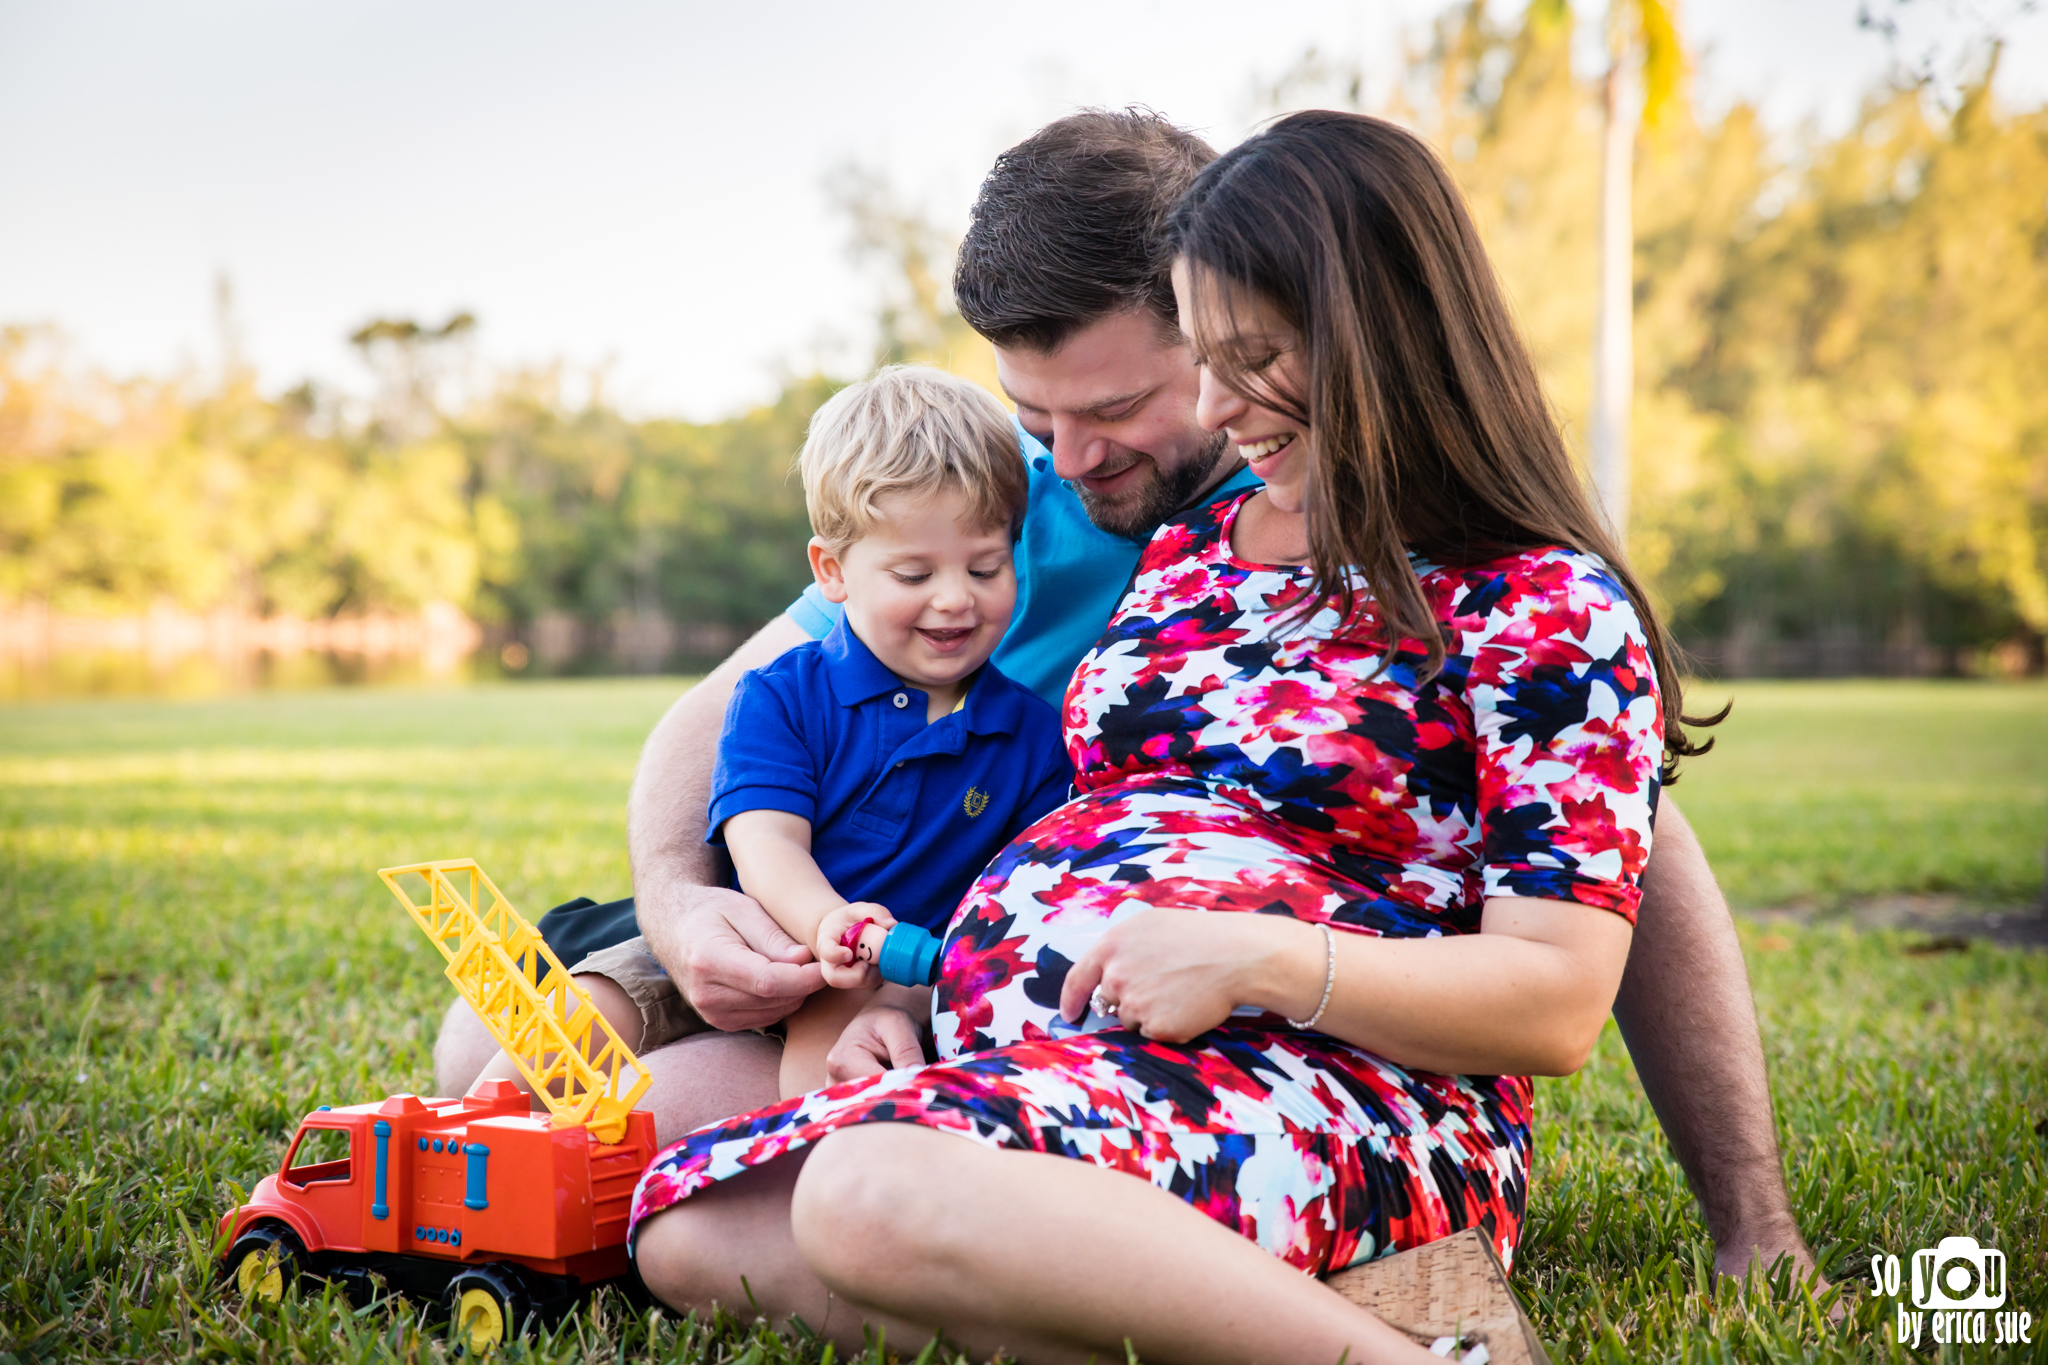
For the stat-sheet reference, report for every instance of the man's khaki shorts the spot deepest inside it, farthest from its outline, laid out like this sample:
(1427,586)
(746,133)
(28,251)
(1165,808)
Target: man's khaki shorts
(664,1015)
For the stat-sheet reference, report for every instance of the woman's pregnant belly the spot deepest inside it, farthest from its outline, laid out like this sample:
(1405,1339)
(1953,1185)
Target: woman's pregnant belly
(1116,852)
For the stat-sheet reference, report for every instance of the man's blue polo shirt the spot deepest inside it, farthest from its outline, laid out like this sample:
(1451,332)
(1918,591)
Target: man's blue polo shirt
(1070,577)
(902,813)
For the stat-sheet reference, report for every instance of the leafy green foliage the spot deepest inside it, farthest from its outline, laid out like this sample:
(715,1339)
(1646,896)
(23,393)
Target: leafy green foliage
(113,498)
(1840,429)
(116,498)
(194,952)
(702,523)
(1840,418)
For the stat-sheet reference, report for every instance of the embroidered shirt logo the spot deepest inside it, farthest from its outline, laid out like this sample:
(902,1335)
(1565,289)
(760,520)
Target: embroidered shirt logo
(974,803)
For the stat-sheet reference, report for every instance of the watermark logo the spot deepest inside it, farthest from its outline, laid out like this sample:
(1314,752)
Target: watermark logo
(1958,1289)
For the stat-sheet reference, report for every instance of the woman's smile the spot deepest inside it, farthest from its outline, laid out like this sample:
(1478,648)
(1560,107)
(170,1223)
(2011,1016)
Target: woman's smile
(1261,454)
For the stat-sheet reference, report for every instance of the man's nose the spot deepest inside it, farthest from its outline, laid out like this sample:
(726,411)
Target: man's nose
(1217,405)
(1077,448)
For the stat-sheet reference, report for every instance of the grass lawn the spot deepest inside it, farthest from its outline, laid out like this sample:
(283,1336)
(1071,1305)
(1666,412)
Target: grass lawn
(196,953)
(1823,791)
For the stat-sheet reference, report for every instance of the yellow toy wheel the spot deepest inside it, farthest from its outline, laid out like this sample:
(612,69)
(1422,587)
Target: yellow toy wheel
(258,1277)
(479,1321)
(262,1263)
(487,1305)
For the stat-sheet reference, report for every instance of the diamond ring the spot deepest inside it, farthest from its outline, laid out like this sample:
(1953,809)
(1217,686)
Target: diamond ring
(1106,1008)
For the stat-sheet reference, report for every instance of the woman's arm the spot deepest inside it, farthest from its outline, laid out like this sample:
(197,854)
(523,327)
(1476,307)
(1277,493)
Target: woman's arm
(1527,995)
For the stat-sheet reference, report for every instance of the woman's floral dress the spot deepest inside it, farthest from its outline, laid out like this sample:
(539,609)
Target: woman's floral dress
(1227,762)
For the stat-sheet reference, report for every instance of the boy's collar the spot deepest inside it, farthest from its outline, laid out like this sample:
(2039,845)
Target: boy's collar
(858,676)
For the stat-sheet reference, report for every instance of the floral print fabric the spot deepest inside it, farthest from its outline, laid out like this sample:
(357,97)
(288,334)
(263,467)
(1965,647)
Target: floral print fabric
(1231,757)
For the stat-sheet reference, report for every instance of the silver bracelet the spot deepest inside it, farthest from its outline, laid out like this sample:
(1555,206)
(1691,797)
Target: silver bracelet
(1329,981)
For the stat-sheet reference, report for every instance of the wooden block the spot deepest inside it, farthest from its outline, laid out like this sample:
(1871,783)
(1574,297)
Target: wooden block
(1451,1288)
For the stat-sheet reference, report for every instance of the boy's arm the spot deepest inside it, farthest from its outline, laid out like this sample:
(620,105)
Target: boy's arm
(771,852)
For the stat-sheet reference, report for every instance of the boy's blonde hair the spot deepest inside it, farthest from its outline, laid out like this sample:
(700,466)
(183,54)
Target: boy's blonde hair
(909,429)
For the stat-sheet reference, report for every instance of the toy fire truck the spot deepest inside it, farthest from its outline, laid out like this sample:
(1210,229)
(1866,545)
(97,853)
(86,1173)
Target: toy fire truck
(478,1202)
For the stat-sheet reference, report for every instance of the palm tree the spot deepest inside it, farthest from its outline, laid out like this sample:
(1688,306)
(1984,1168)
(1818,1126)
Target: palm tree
(1643,69)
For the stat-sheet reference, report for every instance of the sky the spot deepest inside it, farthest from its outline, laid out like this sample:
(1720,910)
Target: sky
(639,189)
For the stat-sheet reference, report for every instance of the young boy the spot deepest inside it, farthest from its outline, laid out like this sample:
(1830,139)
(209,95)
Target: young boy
(874,773)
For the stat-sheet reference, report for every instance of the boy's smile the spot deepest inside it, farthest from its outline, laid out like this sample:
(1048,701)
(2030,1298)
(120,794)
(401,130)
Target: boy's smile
(927,591)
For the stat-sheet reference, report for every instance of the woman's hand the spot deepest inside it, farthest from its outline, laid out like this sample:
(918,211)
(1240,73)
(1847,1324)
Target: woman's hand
(1172,974)
(879,1037)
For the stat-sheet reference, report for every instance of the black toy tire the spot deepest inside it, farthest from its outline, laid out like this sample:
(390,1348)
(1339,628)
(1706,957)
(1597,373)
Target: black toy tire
(487,1306)
(244,1273)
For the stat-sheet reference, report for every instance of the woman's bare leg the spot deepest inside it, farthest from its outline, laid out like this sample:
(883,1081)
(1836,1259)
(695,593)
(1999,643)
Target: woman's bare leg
(731,1245)
(1047,1257)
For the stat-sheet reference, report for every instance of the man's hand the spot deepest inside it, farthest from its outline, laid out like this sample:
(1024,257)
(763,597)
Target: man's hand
(880,1038)
(738,969)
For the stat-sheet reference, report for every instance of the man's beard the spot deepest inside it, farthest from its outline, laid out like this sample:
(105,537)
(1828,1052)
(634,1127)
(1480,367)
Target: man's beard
(1138,515)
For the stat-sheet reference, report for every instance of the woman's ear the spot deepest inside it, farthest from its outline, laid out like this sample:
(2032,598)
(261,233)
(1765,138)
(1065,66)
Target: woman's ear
(828,570)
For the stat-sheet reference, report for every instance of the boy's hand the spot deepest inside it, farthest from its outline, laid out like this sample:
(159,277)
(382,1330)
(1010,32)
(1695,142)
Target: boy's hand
(849,967)
(879,1038)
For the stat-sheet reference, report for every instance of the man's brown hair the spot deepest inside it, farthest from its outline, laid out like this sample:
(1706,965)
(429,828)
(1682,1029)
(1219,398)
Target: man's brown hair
(1069,227)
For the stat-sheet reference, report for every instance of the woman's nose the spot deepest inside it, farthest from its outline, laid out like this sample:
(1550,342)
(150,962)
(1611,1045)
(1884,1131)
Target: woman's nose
(1217,405)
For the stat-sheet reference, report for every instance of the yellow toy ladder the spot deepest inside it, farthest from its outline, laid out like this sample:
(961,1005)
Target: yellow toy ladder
(526,998)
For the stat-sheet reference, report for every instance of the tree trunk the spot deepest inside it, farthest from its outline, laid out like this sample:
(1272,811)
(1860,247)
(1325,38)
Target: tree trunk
(1614,332)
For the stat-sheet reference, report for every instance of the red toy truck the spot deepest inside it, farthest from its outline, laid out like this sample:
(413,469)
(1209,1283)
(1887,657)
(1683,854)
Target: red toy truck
(478,1202)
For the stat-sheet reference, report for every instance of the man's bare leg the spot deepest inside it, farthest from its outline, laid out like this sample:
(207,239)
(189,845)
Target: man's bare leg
(1686,1012)
(462,1051)
(696,1080)
(707,1077)
(466,1053)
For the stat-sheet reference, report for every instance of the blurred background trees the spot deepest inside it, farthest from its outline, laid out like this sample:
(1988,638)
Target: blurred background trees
(1839,427)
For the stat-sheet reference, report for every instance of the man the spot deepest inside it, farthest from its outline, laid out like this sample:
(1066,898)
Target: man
(1061,270)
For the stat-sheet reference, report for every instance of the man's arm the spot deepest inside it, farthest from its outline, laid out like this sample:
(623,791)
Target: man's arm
(734,964)
(1686,1013)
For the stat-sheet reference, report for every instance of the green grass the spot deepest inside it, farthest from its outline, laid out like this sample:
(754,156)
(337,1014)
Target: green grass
(1825,791)
(195,954)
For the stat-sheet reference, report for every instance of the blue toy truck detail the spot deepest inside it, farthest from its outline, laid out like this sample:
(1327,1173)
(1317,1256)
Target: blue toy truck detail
(380,1206)
(479,1157)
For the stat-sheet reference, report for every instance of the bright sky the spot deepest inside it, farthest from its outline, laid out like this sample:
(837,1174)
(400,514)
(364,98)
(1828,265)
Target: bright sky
(636,185)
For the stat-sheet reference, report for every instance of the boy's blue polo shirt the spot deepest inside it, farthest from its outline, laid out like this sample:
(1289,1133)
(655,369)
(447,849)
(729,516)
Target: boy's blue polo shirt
(1070,576)
(902,813)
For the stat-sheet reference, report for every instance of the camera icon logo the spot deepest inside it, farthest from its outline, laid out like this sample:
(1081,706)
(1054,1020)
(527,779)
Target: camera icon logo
(1957,1273)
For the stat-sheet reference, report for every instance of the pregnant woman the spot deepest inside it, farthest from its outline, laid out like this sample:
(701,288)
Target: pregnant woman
(1367,762)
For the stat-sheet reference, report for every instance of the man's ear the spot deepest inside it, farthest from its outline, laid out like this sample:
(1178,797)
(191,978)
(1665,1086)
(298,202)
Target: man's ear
(828,570)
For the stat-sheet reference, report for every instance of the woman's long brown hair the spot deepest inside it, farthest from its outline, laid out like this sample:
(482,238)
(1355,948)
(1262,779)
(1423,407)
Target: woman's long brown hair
(1430,428)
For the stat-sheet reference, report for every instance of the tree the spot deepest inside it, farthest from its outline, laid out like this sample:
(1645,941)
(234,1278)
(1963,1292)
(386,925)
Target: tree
(410,362)
(1643,69)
